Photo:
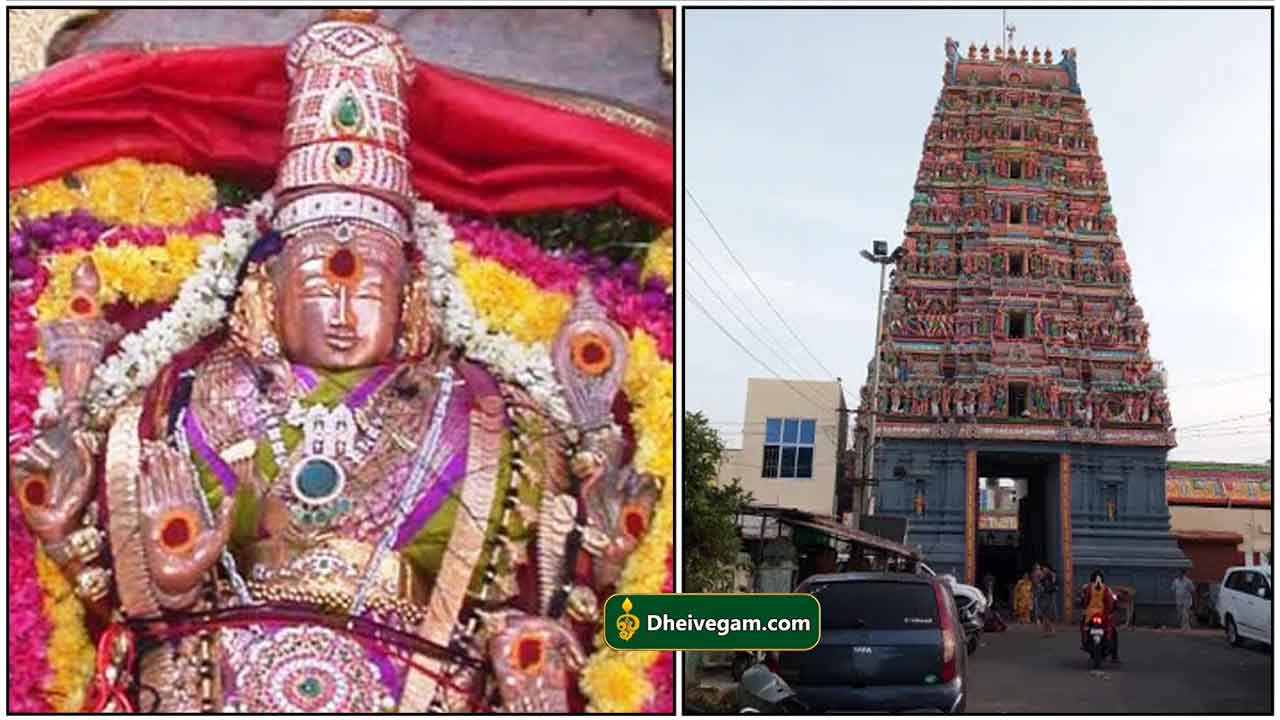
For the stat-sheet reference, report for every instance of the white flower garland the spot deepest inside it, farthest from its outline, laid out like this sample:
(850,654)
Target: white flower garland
(201,307)
(528,365)
(198,310)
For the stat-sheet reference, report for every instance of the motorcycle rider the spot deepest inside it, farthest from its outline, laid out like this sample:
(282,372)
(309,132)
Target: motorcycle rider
(1097,598)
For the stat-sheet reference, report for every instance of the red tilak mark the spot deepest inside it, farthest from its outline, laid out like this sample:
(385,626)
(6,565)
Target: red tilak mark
(342,263)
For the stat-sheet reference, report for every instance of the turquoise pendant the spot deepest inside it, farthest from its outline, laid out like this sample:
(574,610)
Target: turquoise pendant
(318,480)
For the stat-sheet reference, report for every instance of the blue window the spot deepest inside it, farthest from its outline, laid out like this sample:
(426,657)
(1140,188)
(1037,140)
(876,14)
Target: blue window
(772,430)
(790,427)
(807,429)
(788,449)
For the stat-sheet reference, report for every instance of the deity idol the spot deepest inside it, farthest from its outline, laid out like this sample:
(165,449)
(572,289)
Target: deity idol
(330,508)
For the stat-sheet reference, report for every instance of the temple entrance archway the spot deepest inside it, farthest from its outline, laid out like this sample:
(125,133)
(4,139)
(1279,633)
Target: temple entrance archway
(1016,518)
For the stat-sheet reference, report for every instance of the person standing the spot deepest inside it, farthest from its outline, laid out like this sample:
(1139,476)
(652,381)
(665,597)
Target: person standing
(1183,592)
(1048,599)
(1022,596)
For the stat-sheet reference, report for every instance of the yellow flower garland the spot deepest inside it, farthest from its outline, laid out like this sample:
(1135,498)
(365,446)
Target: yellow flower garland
(660,260)
(139,274)
(124,191)
(508,301)
(614,681)
(71,653)
(618,681)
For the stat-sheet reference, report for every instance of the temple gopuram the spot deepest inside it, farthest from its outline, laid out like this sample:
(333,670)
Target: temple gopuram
(1013,348)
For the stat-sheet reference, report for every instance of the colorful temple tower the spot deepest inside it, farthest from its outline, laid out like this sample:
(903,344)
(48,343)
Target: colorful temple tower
(1013,346)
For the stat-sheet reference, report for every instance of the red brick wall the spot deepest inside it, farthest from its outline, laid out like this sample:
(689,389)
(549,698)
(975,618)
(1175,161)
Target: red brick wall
(1210,560)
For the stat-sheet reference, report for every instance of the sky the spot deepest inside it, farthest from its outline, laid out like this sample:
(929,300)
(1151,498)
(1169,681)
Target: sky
(803,134)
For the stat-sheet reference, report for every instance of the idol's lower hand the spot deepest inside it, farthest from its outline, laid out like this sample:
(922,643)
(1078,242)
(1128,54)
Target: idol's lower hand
(534,658)
(53,480)
(181,544)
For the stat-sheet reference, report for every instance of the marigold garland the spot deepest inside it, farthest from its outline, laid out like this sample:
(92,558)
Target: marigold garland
(649,383)
(510,302)
(136,274)
(71,652)
(659,261)
(124,191)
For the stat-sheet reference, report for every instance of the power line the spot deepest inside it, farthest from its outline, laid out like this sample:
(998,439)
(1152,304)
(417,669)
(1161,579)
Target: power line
(754,284)
(1224,420)
(741,322)
(752,355)
(741,303)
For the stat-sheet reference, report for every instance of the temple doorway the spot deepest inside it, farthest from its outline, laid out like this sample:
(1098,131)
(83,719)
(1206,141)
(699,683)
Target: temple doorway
(1017,518)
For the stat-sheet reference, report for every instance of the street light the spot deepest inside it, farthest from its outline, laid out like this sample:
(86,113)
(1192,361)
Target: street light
(880,255)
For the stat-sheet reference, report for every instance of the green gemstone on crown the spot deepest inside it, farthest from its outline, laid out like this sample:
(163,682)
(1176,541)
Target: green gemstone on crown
(348,114)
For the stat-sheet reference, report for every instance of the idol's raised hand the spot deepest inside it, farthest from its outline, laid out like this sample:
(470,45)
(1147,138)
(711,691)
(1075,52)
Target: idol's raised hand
(53,480)
(181,544)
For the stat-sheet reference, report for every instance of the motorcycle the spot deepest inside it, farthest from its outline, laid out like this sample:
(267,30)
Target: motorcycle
(763,691)
(744,659)
(1096,641)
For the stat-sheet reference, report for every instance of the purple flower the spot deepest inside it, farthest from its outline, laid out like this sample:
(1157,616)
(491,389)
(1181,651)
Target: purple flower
(23,268)
(17,243)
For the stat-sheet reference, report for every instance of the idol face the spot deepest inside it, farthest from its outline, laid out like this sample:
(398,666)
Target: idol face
(338,308)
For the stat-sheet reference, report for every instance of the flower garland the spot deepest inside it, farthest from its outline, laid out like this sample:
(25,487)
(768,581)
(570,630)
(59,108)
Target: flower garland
(659,261)
(198,310)
(631,681)
(630,300)
(25,375)
(71,654)
(510,301)
(122,192)
(529,365)
(29,629)
(519,289)
(136,274)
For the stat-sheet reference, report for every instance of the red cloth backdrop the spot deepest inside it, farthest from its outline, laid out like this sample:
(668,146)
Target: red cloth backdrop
(221,111)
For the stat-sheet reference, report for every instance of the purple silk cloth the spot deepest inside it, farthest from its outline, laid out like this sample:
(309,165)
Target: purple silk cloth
(369,386)
(439,484)
(306,376)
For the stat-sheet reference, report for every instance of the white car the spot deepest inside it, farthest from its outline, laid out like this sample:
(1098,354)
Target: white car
(1244,604)
(957,588)
(970,602)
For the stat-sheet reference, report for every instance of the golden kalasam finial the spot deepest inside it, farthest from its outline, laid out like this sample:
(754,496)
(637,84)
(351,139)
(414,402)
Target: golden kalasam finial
(356,15)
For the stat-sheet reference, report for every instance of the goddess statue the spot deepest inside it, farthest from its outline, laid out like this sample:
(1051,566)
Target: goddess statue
(333,507)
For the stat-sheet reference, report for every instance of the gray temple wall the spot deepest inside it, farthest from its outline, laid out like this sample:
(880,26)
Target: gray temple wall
(1135,549)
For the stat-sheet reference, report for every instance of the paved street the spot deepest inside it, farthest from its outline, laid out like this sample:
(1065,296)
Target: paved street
(1020,671)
